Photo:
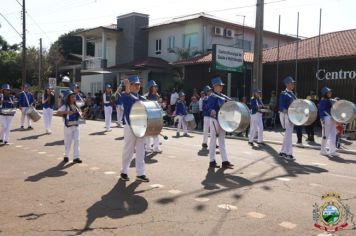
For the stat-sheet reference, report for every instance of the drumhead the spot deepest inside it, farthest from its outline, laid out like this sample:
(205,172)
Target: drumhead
(302,112)
(343,111)
(146,118)
(234,116)
(189,117)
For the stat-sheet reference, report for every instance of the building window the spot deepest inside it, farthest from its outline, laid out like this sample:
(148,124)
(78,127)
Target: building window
(190,40)
(244,44)
(265,45)
(171,43)
(158,46)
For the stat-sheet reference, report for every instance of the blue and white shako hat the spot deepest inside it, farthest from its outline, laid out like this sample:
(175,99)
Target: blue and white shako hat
(207,88)
(151,84)
(217,81)
(134,79)
(257,90)
(6,86)
(288,80)
(181,94)
(108,86)
(325,90)
(74,86)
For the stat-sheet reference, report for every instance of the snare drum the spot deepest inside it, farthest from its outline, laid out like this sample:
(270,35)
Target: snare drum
(234,116)
(302,112)
(190,120)
(146,118)
(33,114)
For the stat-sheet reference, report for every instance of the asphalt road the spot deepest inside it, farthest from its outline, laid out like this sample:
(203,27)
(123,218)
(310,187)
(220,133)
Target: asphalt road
(262,195)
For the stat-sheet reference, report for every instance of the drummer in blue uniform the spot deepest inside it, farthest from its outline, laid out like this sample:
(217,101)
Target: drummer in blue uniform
(153,96)
(285,99)
(26,100)
(206,121)
(215,102)
(328,124)
(256,117)
(6,102)
(181,112)
(131,142)
(48,106)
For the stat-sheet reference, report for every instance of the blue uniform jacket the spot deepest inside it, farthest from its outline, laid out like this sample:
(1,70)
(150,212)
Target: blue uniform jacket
(181,108)
(152,97)
(205,107)
(128,99)
(285,99)
(325,108)
(49,104)
(23,101)
(214,104)
(256,103)
(119,99)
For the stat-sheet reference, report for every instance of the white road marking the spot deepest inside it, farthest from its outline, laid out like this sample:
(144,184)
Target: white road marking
(171,156)
(109,172)
(42,153)
(60,158)
(201,199)
(319,164)
(156,186)
(288,225)
(256,215)
(283,179)
(325,234)
(174,191)
(315,185)
(19,146)
(227,207)
(94,168)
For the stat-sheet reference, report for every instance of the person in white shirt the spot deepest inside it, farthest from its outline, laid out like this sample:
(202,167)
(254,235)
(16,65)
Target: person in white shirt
(173,100)
(107,100)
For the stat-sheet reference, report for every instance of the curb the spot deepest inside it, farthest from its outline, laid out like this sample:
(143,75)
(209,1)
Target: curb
(353,152)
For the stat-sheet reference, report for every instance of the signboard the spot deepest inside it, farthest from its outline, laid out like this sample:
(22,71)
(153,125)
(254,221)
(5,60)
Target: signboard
(52,82)
(323,74)
(226,58)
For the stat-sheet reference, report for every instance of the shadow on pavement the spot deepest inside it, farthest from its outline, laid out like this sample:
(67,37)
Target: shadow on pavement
(56,171)
(148,159)
(120,138)
(32,137)
(203,152)
(99,133)
(341,160)
(55,143)
(120,202)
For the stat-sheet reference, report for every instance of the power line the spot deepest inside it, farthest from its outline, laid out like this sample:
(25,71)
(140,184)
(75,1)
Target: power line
(11,25)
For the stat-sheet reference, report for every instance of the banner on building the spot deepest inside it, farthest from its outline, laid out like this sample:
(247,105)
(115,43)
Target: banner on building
(228,59)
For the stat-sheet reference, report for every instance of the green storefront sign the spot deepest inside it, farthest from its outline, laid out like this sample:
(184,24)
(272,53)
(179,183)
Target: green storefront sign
(227,59)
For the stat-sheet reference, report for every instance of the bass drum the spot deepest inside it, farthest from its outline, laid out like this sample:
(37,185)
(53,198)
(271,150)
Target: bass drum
(234,116)
(33,114)
(302,112)
(146,118)
(343,111)
(190,120)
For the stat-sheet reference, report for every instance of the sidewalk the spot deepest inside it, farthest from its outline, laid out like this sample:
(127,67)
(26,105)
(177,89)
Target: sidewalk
(276,137)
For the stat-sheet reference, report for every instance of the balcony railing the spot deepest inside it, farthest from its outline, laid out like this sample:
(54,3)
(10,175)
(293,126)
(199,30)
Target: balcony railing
(94,64)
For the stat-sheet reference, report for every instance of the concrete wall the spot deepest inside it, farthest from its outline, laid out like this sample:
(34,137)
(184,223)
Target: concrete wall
(110,51)
(94,83)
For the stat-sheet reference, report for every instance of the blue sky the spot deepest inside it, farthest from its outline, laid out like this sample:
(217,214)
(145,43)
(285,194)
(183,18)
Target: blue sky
(48,19)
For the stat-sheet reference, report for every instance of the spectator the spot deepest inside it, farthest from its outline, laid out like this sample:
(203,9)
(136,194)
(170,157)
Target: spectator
(201,99)
(173,100)
(246,102)
(194,108)
(310,128)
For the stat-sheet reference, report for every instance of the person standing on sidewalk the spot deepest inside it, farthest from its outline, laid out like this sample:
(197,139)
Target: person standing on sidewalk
(107,101)
(6,102)
(310,128)
(256,118)
(327,123)
(26,101)
(285,99)
(48,106)
(131,142)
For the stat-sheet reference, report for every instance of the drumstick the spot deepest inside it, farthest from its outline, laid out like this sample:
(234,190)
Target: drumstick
(216,132)
(164,136)
(323,131)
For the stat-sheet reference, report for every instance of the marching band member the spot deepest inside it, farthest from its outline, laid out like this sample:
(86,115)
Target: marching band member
(328,124)
(48,105)
(181,111)
(285,99)
(6,101)
(119,107)
(131,142)
(64,93)
(107,100)
(153,96)
(256,117)
(78,96)
(71,114)
(206,115)
(216,132)
(26,100)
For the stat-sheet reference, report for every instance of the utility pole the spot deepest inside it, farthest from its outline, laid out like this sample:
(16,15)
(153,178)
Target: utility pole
(257,55)
(23,43)
(40,65)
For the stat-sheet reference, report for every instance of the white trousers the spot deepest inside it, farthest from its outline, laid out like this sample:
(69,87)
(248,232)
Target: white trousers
(206,127)
(5,127)
(256,126)
(182,124)
(287,146)
(71,135)
(47,118)
(131,144)
(216,129)
(149,140)
(119,113)
(329,131)
(24,117)
(108,114)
